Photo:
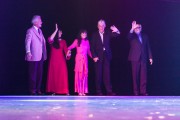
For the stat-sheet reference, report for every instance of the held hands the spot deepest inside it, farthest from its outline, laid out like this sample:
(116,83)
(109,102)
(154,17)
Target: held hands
(28,56)
(114,29)
(95,59)
(68,53)
(151,61)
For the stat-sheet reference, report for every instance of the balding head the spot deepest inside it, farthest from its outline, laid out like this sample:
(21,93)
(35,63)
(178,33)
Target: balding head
(36,21)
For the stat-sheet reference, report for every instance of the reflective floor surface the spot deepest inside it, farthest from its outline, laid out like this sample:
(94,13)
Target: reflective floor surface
(89,108)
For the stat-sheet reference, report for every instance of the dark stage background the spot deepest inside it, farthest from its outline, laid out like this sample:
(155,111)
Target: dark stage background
(160,20)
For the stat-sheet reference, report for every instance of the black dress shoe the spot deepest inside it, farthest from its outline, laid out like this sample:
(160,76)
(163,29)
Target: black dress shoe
(33,93)
(136,94)
(99,94)
(144,94)
(111,94)
(40,93)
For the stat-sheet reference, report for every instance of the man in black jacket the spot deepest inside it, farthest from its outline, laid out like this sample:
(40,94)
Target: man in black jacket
(139,53)
(101,54)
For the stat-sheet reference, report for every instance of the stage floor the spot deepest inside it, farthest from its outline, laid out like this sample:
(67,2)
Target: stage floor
(89,108)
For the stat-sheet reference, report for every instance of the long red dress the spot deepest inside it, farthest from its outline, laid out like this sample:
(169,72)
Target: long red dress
(57,81)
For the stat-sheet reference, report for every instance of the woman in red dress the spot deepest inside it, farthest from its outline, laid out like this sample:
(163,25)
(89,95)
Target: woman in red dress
(57,81)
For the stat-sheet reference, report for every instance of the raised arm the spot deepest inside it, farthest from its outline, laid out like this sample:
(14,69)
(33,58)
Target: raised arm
(130,35)
(115,31)
(134,25)
(51,38)
(72,46)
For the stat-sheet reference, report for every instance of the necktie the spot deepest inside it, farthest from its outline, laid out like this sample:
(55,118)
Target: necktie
(39,31)
(101,34)
(140,38)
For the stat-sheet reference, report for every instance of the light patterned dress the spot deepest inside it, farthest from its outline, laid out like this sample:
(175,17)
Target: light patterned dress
(81,65)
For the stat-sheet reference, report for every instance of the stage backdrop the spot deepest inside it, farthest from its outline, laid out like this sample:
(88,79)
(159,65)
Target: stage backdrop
(159,18)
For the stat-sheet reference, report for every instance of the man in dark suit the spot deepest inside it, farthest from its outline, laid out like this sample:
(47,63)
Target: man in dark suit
(101,54)
(139,53)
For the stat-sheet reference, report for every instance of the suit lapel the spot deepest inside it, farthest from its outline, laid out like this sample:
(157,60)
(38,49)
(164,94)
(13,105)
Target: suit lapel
(143,39)
(99,38)
(37,34)
(137,38)
(104,37)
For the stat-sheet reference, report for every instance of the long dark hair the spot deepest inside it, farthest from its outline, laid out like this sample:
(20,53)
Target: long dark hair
(79,36)
(56,41)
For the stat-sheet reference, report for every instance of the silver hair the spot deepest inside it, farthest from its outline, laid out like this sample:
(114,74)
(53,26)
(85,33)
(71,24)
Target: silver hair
(35,18)
(102,21)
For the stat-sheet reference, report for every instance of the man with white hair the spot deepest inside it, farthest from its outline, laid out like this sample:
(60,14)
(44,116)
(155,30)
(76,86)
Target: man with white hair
(101,54)
(139,53)
(35,46)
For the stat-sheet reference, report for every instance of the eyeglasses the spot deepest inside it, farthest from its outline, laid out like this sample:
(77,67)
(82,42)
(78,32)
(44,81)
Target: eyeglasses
(138,28)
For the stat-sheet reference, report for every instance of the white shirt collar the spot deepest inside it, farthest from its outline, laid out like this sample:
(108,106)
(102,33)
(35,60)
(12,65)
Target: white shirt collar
(101,33)
(36,28)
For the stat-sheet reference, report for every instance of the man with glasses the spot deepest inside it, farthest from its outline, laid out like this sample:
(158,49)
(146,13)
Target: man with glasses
(139,53)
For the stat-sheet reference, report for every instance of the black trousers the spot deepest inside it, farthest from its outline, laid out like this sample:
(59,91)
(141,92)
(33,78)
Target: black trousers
(35,70)
(102,71)
(139,74)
